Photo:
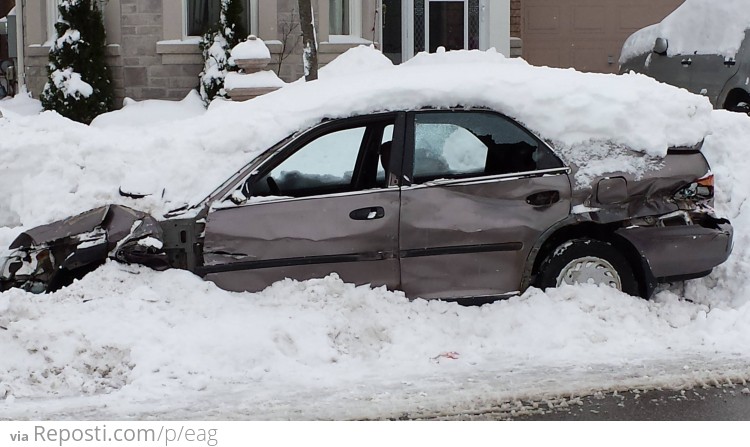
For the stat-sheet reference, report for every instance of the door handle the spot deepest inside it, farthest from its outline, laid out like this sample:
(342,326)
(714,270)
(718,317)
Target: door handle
(687,62)
(369,213)
(543,199)
(730,62)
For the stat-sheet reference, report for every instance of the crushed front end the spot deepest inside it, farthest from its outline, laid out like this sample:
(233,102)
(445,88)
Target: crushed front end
(48,257)
(686,243)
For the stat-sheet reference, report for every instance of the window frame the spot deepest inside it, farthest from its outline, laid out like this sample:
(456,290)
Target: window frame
(253,22)
(53,14)
(355,19)
(279,155)
(410,149)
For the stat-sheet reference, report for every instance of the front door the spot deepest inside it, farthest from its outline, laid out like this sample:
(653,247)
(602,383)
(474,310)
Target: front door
(392,30)
(483,191)
(328,203)
(447,24)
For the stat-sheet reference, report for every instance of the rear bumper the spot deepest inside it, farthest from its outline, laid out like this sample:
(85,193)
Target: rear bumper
(687,251)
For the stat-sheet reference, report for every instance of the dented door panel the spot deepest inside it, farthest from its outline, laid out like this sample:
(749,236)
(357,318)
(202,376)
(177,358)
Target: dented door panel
(304,238)
(472,238)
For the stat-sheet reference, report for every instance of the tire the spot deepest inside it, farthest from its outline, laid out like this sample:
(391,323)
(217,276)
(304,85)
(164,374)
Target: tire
(587,261)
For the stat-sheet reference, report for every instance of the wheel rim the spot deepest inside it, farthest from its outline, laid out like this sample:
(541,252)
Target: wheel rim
(590,270)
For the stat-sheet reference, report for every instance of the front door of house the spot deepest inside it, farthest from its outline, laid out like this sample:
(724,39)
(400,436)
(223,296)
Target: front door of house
(393,30)
(412,26)
(446,24)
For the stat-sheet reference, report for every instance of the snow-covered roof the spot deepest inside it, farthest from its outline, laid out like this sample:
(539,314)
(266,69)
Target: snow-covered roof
(696,27)
(184,160)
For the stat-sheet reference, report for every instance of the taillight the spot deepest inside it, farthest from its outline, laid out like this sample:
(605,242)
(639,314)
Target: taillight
(701,189)
(705,186)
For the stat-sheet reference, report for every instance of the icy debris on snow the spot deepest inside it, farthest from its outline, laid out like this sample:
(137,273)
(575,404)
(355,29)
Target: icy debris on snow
(446,355)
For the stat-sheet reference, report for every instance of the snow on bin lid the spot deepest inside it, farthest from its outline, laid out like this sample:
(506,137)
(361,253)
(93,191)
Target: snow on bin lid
(252,48)
(696,27)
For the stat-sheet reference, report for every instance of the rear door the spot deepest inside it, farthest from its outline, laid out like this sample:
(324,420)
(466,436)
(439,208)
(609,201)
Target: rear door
(327,203)
(482,191)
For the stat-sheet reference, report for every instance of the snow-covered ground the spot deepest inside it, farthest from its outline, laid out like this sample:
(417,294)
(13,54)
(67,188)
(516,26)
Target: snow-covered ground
(128,342)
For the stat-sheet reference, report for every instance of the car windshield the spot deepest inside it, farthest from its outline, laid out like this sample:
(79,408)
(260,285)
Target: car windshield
(243,172)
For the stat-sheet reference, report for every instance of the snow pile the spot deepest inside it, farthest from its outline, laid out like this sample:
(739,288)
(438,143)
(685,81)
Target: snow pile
(136,339)
(726,151)
(361,59)
(183,161)
(252,48)
(129,342)
(20,104)
(696,27)
(151,112)
(261,79)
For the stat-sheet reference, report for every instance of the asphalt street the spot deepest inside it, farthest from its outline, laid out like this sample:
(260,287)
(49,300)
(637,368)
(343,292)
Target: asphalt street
(731,403)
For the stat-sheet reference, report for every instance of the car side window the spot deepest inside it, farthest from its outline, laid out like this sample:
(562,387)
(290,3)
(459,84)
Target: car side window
(343,160)
(452,145)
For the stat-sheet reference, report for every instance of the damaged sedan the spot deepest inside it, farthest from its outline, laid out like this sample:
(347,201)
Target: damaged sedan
(464,204)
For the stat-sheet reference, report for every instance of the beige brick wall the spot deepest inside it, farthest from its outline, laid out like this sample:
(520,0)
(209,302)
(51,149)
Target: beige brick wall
(515,18)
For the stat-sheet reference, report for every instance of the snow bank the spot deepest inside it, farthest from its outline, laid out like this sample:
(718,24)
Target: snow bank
(129,342)
(696,27)
(261,79)
(138,335)
(183,161)
(20,104)
(361,59)
(151,112)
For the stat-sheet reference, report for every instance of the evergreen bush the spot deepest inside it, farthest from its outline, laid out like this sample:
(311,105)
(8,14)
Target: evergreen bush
(79,84)
(216,45)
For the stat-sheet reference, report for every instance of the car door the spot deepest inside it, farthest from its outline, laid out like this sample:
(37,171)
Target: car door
(328,202)
(674,70)
(482,191)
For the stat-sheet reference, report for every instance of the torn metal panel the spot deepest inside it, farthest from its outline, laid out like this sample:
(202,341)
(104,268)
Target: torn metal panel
(620,196)
(43,253)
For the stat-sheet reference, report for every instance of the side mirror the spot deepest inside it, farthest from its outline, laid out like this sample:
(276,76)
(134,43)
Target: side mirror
(661,45)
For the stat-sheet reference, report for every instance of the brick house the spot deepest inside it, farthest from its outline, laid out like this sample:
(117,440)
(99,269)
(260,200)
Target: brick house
(584,34)
(153,46)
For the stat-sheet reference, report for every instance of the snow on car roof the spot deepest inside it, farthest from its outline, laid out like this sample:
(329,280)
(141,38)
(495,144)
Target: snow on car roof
(696,27)
(61,167)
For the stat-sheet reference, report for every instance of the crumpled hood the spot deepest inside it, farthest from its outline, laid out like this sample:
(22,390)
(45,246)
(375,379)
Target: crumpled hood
(117,220)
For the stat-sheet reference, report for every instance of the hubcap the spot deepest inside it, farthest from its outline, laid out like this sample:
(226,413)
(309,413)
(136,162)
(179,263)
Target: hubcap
(590,270)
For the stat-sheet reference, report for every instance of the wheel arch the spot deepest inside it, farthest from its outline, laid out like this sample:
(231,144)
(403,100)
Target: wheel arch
(568,230)
(735,96)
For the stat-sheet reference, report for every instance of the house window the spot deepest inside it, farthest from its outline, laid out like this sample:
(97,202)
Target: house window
(203,15)
(52,15)
(344,17)
(340,17)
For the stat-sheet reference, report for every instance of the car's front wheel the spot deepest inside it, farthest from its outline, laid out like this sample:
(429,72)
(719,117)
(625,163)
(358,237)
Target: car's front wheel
(587,261)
